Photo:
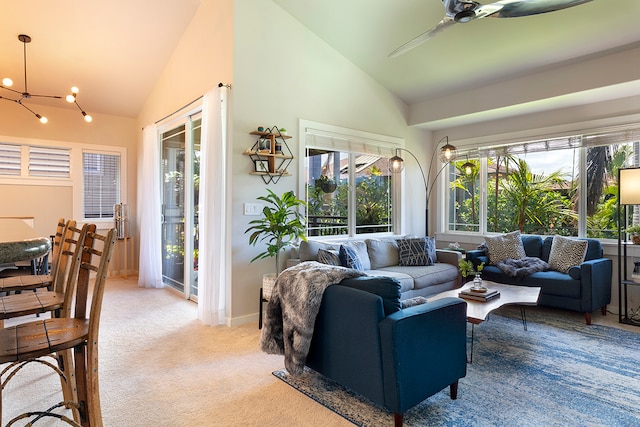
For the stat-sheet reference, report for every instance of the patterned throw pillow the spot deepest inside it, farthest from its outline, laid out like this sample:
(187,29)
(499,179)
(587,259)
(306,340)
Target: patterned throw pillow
(330,257)
(349,257)
(413,252)
(566,253)
(505,246)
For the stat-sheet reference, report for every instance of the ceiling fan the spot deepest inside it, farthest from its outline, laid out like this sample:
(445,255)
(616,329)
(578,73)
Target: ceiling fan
(463,11)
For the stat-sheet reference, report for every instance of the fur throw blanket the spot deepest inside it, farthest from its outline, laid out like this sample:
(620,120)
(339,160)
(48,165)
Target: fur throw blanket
(522,267)
(293,307)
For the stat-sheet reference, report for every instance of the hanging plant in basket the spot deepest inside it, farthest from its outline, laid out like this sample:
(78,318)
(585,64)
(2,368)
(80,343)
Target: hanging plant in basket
(326,185)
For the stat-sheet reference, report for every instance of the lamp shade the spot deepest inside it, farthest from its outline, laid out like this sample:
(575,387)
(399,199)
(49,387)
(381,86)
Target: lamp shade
(629,186)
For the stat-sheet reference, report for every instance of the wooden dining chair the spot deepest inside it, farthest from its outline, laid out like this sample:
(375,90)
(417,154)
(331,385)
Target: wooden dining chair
(35,281)
(75,331)
(24,303)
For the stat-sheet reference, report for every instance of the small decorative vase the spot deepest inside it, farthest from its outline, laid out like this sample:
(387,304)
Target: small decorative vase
(477,281)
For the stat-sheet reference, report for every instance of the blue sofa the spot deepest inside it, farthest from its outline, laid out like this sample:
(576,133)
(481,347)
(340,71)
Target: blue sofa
(395,357)
(585,288)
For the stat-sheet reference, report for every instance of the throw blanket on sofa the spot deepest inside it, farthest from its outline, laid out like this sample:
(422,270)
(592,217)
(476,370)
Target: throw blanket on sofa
(293,307)
(522,267)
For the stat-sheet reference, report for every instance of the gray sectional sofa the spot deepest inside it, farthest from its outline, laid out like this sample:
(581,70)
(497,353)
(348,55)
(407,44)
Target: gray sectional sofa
(380,257)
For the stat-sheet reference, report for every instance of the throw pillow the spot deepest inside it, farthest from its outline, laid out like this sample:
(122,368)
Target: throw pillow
(414,252)
(566,253)
(328,256)
(505,246)
(350,258)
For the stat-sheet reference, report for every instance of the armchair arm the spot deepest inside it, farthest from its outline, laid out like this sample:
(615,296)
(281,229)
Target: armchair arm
(477,256)
(595,278)
(423,351)
(448,256)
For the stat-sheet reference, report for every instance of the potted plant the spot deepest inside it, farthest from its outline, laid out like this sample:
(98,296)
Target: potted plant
(326,184)
(467,268)
(634,231)
(281,226)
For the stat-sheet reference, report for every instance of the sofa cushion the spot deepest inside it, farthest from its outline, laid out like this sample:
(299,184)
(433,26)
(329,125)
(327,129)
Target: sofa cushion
(382,252)
(329,256)
(385,287)
(309,250)
(504,246)
(532,245)
(417,252)
(349,257)
(566,253)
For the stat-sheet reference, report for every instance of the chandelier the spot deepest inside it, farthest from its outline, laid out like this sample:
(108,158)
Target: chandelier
(20,97)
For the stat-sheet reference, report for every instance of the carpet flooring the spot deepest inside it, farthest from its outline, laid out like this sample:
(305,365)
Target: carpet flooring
(557,373)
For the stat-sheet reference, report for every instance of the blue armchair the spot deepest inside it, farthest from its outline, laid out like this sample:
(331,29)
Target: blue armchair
(396,358)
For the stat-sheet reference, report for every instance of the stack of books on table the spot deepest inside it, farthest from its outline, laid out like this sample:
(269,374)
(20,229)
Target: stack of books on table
(487,295)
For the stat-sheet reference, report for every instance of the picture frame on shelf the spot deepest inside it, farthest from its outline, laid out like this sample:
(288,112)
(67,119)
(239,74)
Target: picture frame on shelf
(264,145)
(261,165)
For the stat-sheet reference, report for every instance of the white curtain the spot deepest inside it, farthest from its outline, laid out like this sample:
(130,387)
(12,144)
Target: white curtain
(150,264)
(213,265)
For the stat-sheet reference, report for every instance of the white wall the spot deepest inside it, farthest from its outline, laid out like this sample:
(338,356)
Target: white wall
(283,73)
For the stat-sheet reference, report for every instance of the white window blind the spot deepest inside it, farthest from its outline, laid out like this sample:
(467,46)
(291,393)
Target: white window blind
(10,159)
(376,145)
(49,162)
(101,184)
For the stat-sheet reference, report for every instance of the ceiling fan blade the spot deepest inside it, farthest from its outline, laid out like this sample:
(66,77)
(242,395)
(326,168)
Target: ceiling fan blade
(518,8)
(442,25)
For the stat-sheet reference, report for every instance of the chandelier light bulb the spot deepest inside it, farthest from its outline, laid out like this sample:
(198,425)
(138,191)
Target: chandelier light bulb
(7,82)
(70,99)
(468,170)
(74,90)
(43,119)
(87,117)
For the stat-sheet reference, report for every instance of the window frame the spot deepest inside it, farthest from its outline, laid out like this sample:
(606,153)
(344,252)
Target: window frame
(350,138)
(75,178)
(582,141)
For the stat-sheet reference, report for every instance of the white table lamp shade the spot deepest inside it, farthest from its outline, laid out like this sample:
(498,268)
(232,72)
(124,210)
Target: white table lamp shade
(629,186)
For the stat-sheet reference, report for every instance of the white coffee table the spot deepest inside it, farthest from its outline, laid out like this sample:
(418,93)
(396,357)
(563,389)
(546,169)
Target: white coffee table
(477,311)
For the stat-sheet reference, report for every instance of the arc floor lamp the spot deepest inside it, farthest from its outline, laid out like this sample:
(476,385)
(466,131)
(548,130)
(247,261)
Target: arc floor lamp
(447,154)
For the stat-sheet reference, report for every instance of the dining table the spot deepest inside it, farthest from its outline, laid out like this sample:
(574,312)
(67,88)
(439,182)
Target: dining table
(20,242)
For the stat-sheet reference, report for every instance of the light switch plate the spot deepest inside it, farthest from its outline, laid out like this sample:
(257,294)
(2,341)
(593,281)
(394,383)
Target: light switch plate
(252,209)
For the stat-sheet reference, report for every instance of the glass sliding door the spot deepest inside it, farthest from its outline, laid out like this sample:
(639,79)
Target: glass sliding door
(180,183)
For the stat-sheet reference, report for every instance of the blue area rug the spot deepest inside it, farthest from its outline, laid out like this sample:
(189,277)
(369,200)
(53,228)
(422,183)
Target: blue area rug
(558,373)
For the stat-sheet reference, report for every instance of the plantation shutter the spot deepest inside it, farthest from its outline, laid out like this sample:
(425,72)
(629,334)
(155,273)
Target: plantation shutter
(10,159)
(49,162)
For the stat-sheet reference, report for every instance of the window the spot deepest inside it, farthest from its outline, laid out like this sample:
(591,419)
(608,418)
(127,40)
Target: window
(101,184)
(93,174)
(348,187)
(563,186)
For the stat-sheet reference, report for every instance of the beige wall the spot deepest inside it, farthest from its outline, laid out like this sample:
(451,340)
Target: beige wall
(48,203)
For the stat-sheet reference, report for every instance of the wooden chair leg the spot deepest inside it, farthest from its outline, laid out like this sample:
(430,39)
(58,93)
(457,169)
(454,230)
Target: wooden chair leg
(398,419)
(93,398)
(68,383)
(587,318)
(604,310)
(79,359)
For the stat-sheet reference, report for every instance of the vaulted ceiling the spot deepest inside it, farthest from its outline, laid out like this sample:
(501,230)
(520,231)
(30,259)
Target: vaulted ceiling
(115,50)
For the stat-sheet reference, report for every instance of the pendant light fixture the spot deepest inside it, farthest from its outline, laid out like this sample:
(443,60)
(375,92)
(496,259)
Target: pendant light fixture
(20,97)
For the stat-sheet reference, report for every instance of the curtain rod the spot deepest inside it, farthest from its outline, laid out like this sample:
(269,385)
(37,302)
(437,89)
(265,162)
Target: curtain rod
(179,109)
(228,86)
